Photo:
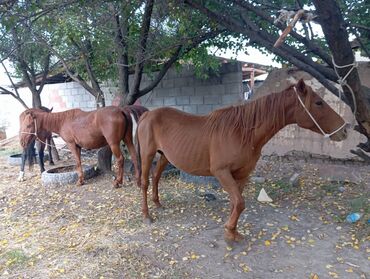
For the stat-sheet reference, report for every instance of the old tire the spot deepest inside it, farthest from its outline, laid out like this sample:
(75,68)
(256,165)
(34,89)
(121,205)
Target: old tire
(200,180)
(16,159)
(65,175)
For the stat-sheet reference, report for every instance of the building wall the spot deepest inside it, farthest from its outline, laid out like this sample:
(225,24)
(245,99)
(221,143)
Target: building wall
(179,89)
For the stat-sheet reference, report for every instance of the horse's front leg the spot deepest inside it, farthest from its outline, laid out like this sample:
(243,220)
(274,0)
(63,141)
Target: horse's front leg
(120,161)
(41,147)
(237,203)
(21,172)
(51,161)
(76,151)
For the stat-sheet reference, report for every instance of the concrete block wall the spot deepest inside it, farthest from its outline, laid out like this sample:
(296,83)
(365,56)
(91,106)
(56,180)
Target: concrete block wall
(179,89)
(183,91)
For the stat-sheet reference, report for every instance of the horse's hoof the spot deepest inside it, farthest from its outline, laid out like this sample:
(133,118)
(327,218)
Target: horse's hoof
(80,183)
(148,220)
(159,206)
(117,185)
(233,236)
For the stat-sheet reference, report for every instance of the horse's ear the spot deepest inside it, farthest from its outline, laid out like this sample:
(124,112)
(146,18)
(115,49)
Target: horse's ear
(50,110)
(301,87)
(32,114)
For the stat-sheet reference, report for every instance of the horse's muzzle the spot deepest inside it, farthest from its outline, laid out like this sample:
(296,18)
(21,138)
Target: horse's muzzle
(340,135)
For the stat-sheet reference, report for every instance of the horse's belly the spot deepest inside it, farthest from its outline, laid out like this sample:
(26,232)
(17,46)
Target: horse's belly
(92,143)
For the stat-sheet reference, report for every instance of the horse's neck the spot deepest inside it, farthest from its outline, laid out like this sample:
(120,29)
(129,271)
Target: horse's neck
(53,121)
(272,125)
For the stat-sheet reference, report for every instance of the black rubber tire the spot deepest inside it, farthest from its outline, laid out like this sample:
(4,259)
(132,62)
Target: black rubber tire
(200,180)
(16,159)
(53,177)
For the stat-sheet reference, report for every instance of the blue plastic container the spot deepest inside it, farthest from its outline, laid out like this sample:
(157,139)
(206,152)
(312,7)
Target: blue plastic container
(353,217)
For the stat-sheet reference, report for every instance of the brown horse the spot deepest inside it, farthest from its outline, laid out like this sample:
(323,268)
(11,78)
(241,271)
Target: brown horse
(227,143)
(28,142)
(90,130)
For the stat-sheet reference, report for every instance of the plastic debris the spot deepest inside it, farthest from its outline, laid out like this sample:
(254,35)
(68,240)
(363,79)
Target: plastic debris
(263,197)
(353,217)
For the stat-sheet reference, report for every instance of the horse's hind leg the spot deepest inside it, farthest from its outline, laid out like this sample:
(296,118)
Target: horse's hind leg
(161,164)
(238,204)
(146,163)
(134,159)
(115,148)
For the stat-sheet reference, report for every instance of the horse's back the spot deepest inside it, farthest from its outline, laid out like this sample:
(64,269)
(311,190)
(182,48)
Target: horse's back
(180,136)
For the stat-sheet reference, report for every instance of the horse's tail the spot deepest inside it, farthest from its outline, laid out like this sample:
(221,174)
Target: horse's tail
(137,146)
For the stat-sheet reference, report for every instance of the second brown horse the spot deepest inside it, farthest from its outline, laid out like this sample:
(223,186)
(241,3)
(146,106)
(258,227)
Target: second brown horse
(89,130)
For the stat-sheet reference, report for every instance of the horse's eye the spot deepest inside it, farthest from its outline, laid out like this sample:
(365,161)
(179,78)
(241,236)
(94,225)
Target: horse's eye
(319,103)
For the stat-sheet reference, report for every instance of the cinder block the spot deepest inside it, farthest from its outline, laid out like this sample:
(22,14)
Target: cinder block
(190,109)
(233,88)
(231,99)
(187,91)
(210,90)
(196,100)
(168,83)
(170,101)
(212,100)
(183,100)
(158,102)
(204,109)
(182,82)
(167,92)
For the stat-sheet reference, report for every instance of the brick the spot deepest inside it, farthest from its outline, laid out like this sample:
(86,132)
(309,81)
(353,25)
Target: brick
(204,109)
(210,90)
(233,88)
(170,101)
(196,100)
(191,109)
(187,91)
(212,100)
(230,99)
(183,100)
(168,83)
(182,82)
(167,92)
(156,102)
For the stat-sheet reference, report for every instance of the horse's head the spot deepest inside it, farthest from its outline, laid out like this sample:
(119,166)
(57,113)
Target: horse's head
(27,128)
(313,113)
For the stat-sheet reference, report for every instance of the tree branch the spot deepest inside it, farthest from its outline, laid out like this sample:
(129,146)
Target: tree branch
(142,45)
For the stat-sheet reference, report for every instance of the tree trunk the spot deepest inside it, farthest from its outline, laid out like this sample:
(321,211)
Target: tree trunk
(105,159)
(36,100)
(336,35)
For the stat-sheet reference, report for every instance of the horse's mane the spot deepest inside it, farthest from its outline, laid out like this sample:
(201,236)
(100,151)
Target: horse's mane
(243,119)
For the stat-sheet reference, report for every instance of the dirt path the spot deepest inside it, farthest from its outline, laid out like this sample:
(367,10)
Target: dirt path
(96,231)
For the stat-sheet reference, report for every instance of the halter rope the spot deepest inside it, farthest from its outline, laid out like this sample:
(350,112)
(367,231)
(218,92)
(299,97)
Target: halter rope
(342,81)
(314,121)
(35,134)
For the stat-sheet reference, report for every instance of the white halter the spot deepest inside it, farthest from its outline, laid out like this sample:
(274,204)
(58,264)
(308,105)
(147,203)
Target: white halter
(34,133)
(314,121)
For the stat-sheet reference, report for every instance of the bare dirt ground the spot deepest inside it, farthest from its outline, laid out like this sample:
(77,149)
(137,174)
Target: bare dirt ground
(96,231)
